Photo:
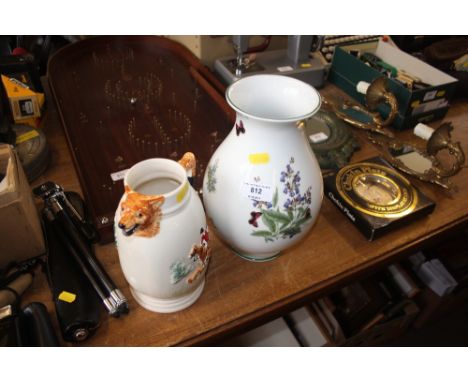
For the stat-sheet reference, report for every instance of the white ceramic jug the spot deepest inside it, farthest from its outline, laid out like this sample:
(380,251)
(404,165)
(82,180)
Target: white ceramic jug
(263,187)
(161,234)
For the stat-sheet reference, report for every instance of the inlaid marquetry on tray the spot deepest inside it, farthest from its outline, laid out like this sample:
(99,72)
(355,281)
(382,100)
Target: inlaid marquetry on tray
(125,99)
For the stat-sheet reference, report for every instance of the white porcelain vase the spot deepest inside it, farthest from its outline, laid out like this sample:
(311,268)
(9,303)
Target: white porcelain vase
(161,234)
(263,187)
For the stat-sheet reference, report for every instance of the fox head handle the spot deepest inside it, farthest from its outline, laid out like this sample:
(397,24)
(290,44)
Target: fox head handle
(138,211)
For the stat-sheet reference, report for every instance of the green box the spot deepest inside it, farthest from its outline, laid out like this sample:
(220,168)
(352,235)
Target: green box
(415,106)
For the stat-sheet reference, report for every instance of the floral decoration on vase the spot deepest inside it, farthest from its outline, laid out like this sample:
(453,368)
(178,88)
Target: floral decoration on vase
(283,221)
(211,184)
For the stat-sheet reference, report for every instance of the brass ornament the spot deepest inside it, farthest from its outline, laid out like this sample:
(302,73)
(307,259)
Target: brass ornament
(441,139)
(376,94)
(342,107)
(437,171)
(376,190)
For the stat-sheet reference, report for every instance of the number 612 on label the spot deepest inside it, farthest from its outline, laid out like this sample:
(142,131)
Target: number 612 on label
(259,192)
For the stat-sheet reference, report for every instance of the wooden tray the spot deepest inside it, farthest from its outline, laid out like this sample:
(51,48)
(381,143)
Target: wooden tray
(125,99)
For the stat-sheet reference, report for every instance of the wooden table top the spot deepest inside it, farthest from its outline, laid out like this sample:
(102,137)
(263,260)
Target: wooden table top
(239,294)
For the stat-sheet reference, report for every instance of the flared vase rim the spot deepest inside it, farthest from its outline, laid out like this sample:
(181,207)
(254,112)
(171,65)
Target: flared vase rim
(239,111)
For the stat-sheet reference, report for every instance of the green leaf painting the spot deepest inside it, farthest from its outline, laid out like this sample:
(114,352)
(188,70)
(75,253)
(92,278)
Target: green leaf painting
(275,198)
(211,173)
(285,222)
(179,269)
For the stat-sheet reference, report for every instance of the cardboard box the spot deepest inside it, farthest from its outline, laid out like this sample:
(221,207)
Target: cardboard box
(25,103)
(415,106)
(20,226)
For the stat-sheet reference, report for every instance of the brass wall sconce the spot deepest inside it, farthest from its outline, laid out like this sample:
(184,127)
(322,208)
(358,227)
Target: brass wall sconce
(425,164)
(367,118)
(377,93)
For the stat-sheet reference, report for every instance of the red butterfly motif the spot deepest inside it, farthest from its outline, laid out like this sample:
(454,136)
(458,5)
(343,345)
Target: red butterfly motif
(240,128)
(254,217)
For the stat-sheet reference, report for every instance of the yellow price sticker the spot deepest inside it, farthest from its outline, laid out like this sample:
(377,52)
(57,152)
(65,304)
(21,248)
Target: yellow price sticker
(259,158)
(67,297)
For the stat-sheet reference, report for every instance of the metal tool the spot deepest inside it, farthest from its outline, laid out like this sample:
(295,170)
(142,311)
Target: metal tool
(52,190)
(75,234)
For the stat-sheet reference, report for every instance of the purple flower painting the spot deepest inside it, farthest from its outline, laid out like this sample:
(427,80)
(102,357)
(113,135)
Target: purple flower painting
(285,220)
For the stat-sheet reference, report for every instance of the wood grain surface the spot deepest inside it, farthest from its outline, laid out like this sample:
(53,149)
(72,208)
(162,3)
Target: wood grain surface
(240,294)
(124,99)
